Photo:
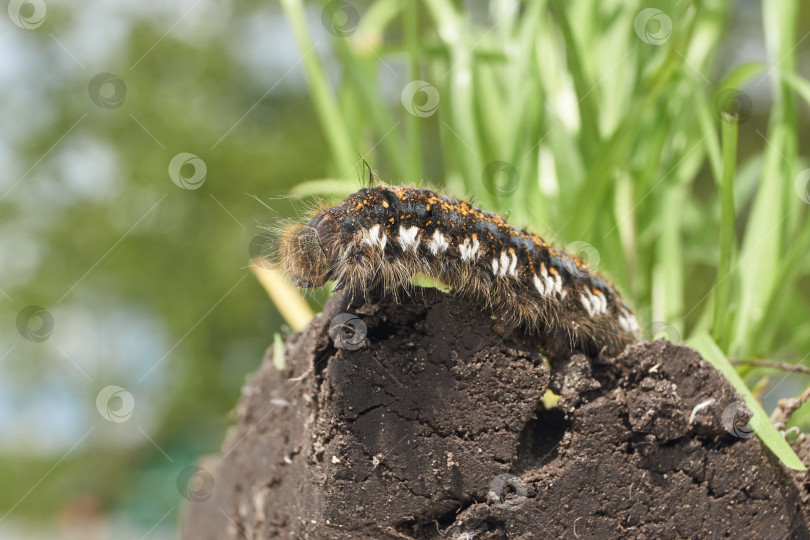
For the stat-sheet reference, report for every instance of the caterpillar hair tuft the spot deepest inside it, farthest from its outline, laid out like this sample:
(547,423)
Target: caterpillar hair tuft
(381,236)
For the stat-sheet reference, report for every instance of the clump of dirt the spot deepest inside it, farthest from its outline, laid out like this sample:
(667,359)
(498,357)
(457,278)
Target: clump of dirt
(426,422)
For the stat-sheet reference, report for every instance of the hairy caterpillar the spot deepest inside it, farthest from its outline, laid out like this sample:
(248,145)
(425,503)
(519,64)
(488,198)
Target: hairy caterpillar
(382,236)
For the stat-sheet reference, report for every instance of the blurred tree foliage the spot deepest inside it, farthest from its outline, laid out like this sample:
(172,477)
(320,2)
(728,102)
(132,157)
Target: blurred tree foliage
(256,138)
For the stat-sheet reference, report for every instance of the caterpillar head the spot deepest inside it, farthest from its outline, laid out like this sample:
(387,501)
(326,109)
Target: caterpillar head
(308,252)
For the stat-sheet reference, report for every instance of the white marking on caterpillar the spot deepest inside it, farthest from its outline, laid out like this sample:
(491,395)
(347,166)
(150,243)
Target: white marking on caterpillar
(628,322)
(633,323)
(594,304)
(558,286)
(602,300)
(438,243)
(407,238)
(504,263)
(495,266)
(375,237)
(547,283)
(553,285)
(587,303)
(513,265)
(469,252)
(539,285)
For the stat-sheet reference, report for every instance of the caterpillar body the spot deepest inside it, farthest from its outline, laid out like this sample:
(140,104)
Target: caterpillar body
(380,237)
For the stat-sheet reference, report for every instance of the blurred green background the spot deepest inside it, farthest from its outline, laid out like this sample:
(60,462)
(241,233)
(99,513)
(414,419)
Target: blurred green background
(145,144)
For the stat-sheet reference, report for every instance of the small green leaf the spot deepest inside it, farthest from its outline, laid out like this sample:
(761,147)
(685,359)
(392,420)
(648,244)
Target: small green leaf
(422,280)
(279,360)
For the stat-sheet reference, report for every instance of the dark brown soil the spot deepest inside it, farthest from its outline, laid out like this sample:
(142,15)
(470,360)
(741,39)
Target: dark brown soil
(432,429)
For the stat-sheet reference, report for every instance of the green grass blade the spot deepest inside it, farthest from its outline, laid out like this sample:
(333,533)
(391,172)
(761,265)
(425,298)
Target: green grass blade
(789,271)
(340,140)
(764,239)
(722,283)
(360,60)
(588,111)
(413,128)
